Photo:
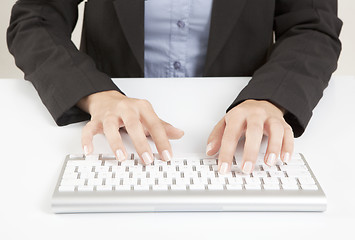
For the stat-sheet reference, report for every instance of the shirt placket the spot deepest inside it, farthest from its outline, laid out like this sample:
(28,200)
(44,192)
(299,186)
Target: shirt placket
(179,26)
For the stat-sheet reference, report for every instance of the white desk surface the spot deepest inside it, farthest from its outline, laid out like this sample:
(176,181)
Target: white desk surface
(33,149)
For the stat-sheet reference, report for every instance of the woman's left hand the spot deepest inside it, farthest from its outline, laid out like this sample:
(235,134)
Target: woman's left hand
(254,118)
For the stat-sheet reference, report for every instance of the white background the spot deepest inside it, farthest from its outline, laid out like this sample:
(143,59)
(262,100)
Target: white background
(27,178)
(346,62)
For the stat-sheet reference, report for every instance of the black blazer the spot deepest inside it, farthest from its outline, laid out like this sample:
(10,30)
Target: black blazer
(291,72)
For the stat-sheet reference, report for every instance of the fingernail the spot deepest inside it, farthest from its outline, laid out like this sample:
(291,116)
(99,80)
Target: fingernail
(147,158)
(224,168)
(166,155)
(286,157)
(247,167)
(271,159)
(208,148)
(179,129)
(86,151)
(120,155)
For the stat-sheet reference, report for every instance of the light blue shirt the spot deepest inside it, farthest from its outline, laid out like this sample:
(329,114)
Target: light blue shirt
(176,37)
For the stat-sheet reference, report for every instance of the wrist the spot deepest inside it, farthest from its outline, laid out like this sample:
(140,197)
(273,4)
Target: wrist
(88,103)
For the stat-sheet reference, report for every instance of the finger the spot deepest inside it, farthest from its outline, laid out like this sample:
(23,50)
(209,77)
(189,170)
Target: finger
(158,134)
(110,129)
(89,131)
(253,137)
(275,131)
(215,138)
(230,139)
(171,131)
(136,132)
(287,144)
(146,132)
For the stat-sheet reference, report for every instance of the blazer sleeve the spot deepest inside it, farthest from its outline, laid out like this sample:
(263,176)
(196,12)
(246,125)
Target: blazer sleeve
(39,37)
(301,61)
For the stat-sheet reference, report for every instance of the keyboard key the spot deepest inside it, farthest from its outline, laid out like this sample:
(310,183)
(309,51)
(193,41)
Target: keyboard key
(218,181)
(306,180)
(252,181)
(234,187)
(72,182)
(69,169)
(160,187)
(197,187)
(293,168)
(66,189)
(102,168)
(70,175)
(127,162)
(202,180)
(215,187)
(85,168)
(80,156)
(235,181)
(259,174)
(270,180)
(209,161)
(178,187)
(112,181)
(271,186)
(94,182)
(141,187)
(290,187)
(296,162)
(309,187)
(160,163)
(111,163)
(252,187)
(122,187)
(104,175)
(85,188)
(129,181)
(277,174)
(92,157)
(108,157)
(74,163)
(86,175)
(104,188)
(298,173)
(290,181)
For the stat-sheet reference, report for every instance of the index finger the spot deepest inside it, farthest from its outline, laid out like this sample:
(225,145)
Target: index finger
(253,136)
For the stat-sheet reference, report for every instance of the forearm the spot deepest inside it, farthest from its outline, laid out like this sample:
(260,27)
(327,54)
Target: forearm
(39,38)
(301,62)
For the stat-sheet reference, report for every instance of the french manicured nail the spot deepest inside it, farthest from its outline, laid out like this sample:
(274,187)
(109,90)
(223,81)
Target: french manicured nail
(147,158)
(86,151)
(224,168)
(166,155)
(120,155)
(180,130)
(208,148)
(286,157)
(247,167)
(271,159)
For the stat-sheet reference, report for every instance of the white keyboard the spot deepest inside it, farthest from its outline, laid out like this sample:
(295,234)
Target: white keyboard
(189,182)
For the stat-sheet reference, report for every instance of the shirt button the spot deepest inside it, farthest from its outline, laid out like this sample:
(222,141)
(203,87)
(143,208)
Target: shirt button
(177,65)
(181,24)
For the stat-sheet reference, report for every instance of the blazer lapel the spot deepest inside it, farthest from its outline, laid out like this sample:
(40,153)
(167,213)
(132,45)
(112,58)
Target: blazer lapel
(131,16)
(225,14)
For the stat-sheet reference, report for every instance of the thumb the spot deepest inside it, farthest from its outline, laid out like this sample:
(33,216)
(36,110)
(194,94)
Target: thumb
(172,132)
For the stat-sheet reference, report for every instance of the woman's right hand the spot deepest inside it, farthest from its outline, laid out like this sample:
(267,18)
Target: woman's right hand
(111,110)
